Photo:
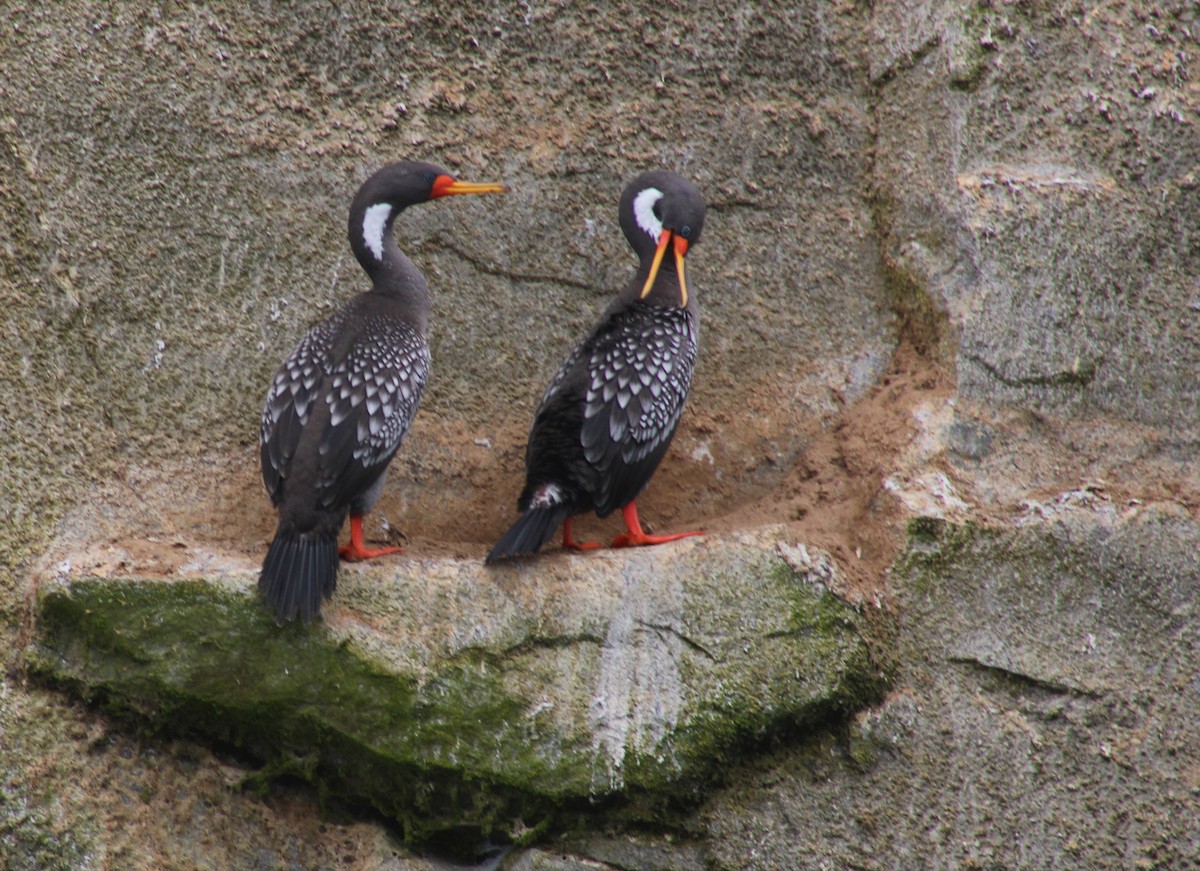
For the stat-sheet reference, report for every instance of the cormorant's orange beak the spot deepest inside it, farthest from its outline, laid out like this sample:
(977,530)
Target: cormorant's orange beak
(445,185)
(680,247)
(664,237)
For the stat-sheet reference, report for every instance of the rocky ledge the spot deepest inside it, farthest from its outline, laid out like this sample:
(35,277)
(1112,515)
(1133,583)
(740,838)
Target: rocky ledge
(466,702)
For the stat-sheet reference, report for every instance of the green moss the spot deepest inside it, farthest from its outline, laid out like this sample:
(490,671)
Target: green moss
(30,839)
(183,657)
(967,61)
(926,530)
(817,669)
(861,752)
(933,548)
(920,322)
(455,750)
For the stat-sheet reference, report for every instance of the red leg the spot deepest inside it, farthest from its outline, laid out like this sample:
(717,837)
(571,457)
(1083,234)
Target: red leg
(636,537)
(571,544)
(356,550)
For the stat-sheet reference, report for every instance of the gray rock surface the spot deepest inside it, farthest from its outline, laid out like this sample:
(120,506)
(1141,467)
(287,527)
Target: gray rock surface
(949,272)
(1048,700)
(1038,172)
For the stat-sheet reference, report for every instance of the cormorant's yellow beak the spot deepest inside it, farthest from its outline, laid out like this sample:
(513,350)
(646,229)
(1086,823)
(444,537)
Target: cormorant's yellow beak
(663,238)
(680,247)
(445,185)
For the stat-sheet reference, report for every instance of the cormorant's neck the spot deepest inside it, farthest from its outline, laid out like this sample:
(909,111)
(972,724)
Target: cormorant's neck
(392,273)
(665,290)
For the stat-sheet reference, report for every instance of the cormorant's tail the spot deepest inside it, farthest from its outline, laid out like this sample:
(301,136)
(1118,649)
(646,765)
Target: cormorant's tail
(533,529)
(298,571)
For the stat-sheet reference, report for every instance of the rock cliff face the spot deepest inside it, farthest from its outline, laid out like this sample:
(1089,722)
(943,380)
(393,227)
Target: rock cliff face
(943,435)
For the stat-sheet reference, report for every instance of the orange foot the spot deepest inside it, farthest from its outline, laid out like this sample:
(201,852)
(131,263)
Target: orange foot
(636,536)
(571,544)
(356,550)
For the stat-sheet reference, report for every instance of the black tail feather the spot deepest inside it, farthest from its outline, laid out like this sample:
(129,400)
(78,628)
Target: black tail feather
(298,571)
(533,529)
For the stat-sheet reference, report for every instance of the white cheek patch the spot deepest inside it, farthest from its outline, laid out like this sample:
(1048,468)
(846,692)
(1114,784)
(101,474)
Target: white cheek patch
(643,212)
(373,223)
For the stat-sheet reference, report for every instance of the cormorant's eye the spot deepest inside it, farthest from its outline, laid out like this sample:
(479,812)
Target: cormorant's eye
(685,231)
(657,209)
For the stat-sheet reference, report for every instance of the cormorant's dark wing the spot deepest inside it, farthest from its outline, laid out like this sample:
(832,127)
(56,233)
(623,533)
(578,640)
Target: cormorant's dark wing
(640,370)
(289,405)
(373,395)
(553,453)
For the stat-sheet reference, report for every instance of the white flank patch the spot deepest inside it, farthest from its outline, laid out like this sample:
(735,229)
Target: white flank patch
(373,223)
(546,496)
(643,211)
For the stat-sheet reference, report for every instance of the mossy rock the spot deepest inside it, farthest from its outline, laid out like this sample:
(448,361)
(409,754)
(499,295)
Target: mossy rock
(458,700)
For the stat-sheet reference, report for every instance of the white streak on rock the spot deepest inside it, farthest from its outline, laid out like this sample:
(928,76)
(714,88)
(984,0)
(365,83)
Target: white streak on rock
(639,693)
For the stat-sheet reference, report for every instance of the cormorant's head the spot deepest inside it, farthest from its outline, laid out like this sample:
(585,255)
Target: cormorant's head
(659,210)
(394,188)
